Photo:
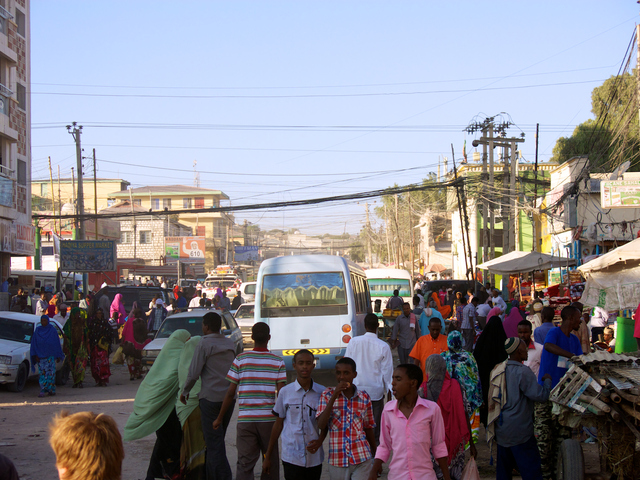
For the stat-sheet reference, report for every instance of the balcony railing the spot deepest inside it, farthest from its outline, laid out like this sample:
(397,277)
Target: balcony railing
(4,13)
(7,172)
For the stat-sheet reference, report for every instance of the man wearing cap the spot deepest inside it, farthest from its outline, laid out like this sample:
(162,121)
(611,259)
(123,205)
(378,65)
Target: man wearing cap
(513,426)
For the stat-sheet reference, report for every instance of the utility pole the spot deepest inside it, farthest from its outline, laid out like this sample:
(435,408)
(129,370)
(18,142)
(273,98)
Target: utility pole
(504,202)
(460,210)
(95,195)
(386,218)
(366,206)
(513,211)
(53,197)
(73,203)
(59,201)
(492,205)
(411,231)
(535,190)
(76,131)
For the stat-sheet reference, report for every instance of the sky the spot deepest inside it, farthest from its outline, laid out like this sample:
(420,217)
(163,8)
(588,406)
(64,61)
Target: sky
(278,101)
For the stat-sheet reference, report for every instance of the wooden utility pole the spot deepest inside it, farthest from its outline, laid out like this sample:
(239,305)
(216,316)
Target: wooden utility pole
(53,197)
(492,205)
(535,193)
(59,200)
(504,201)
(397,234)
(366,206)
(386,218)
(95,195)
(513,211)
(73,203)
(411,259)
(76,132)
(464,244)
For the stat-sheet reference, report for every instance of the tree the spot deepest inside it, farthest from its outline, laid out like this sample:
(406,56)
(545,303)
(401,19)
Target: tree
(613,137)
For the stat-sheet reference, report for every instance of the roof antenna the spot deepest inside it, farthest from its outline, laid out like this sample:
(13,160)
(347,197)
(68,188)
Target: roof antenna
(196,175)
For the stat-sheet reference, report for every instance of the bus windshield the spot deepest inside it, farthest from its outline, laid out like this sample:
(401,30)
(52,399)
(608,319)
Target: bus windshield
(212,283)
(303,289)
(384,287)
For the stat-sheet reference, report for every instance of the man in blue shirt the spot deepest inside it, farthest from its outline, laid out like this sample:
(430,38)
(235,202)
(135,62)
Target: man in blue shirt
(560,345)
(540,333)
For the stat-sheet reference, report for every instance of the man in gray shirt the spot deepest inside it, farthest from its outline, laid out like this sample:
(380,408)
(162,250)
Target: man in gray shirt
(517,445)
(405,333)
(211,361)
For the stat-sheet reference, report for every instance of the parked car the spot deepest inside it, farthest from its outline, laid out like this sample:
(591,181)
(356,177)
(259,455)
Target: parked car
(16,331)
(245,318)
(248,291)
(192,322)
(130,293)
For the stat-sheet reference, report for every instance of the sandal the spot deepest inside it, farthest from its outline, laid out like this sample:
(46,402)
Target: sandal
(41,394)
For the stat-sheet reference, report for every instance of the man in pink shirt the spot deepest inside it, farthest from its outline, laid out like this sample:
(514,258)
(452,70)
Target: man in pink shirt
(412,428)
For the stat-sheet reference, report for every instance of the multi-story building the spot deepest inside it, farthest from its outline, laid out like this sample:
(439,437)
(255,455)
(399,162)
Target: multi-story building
(216,227)
(51,195)
(17,235)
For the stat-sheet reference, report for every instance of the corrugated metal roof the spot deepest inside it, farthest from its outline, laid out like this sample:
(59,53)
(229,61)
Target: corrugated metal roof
(606,357)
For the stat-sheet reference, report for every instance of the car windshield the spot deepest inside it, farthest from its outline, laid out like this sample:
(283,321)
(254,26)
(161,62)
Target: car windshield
(16,330)
(216,282)
(245,311)
(250,289)
(384,287)
(299,289)
(192,324)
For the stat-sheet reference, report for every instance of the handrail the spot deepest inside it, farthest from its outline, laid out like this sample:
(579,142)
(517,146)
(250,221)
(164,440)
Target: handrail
(5,92)
(4,13)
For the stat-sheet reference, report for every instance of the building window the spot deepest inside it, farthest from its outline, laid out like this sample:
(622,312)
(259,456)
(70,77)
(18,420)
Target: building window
(166,203)
(125,236)
(22,96)
(137,201)
(200,231)
(22,172)
(21,22)
(199,202)
(145,237)
(186,203)
(155,204)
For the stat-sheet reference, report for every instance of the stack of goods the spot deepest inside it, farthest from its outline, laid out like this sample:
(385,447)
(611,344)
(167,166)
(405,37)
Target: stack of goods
(602,389)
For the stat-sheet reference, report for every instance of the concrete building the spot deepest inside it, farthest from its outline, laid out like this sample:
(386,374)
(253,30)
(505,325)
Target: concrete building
(67,188)
(17,234)
(524,221)
(215,226)
(142,239)
(580,227)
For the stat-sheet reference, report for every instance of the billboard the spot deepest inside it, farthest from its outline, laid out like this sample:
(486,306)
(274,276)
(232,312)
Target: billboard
(86,256)
(184,249)
(246,254)
(620,193)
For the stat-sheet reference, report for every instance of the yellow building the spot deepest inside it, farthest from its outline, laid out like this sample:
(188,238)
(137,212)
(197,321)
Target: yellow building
(67,188)
(216,227)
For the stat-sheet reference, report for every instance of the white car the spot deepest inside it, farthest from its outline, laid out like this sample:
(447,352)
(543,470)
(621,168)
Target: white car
(16,331)
(192,322)
(248,291)
(245,318)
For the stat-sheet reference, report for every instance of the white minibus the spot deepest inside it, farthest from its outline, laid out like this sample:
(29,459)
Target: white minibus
(317,302)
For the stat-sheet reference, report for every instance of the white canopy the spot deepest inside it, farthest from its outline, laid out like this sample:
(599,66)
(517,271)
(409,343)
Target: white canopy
(613,279)
(520,262)
(615,259)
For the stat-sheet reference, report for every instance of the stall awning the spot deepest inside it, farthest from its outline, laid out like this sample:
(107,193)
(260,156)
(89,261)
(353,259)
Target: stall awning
(521,262)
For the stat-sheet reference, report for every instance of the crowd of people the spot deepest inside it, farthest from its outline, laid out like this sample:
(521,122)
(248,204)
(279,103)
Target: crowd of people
(420,415)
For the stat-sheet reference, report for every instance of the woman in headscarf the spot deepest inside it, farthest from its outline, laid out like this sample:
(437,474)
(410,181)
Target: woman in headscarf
(488,353)
(105,305)
(100,333)
(458,307)
(439,387)
(76,345)
(154,408)
(45,352)
(117,312)
(512,320)
(134,339)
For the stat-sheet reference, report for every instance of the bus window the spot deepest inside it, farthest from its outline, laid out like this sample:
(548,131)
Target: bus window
(307,289)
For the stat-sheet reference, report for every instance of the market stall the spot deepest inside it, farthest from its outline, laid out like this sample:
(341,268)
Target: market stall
(601,390)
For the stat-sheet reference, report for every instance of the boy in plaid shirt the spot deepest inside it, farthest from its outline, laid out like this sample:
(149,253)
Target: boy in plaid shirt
(348,414)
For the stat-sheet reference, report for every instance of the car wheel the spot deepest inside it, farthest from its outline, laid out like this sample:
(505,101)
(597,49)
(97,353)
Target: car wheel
(21,378)
(62,375)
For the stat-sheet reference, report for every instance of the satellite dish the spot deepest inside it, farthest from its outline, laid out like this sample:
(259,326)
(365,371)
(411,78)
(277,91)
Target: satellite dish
(620,169)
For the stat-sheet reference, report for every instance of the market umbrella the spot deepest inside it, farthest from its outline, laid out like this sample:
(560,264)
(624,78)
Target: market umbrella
(435,267)
(520,262)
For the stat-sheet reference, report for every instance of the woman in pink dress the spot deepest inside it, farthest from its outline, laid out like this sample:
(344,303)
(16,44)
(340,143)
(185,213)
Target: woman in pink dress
(636,329)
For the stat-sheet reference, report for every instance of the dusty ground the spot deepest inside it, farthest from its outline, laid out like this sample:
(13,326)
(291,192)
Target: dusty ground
(24,419)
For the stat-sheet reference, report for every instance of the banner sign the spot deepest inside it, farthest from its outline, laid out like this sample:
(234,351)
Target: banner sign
(87,256)
(620,193)
(245,254)
(185,249)
(17,238)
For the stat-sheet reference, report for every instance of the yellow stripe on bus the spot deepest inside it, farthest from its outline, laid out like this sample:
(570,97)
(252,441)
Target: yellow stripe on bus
(315,351)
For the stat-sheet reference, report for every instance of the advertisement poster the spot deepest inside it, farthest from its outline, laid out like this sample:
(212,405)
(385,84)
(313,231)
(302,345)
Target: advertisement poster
(185,249)
(86,256)
(620,193)
(246,254)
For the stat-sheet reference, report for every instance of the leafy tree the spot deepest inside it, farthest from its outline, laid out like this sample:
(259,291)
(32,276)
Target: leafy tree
(613,137)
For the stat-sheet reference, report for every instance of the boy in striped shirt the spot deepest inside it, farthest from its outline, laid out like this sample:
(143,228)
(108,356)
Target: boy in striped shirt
(256,375)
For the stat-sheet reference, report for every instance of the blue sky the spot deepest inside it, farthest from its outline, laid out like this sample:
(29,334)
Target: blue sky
(274,99)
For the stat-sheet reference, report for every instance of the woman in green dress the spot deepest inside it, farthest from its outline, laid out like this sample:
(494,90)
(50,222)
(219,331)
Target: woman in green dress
(76,345)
